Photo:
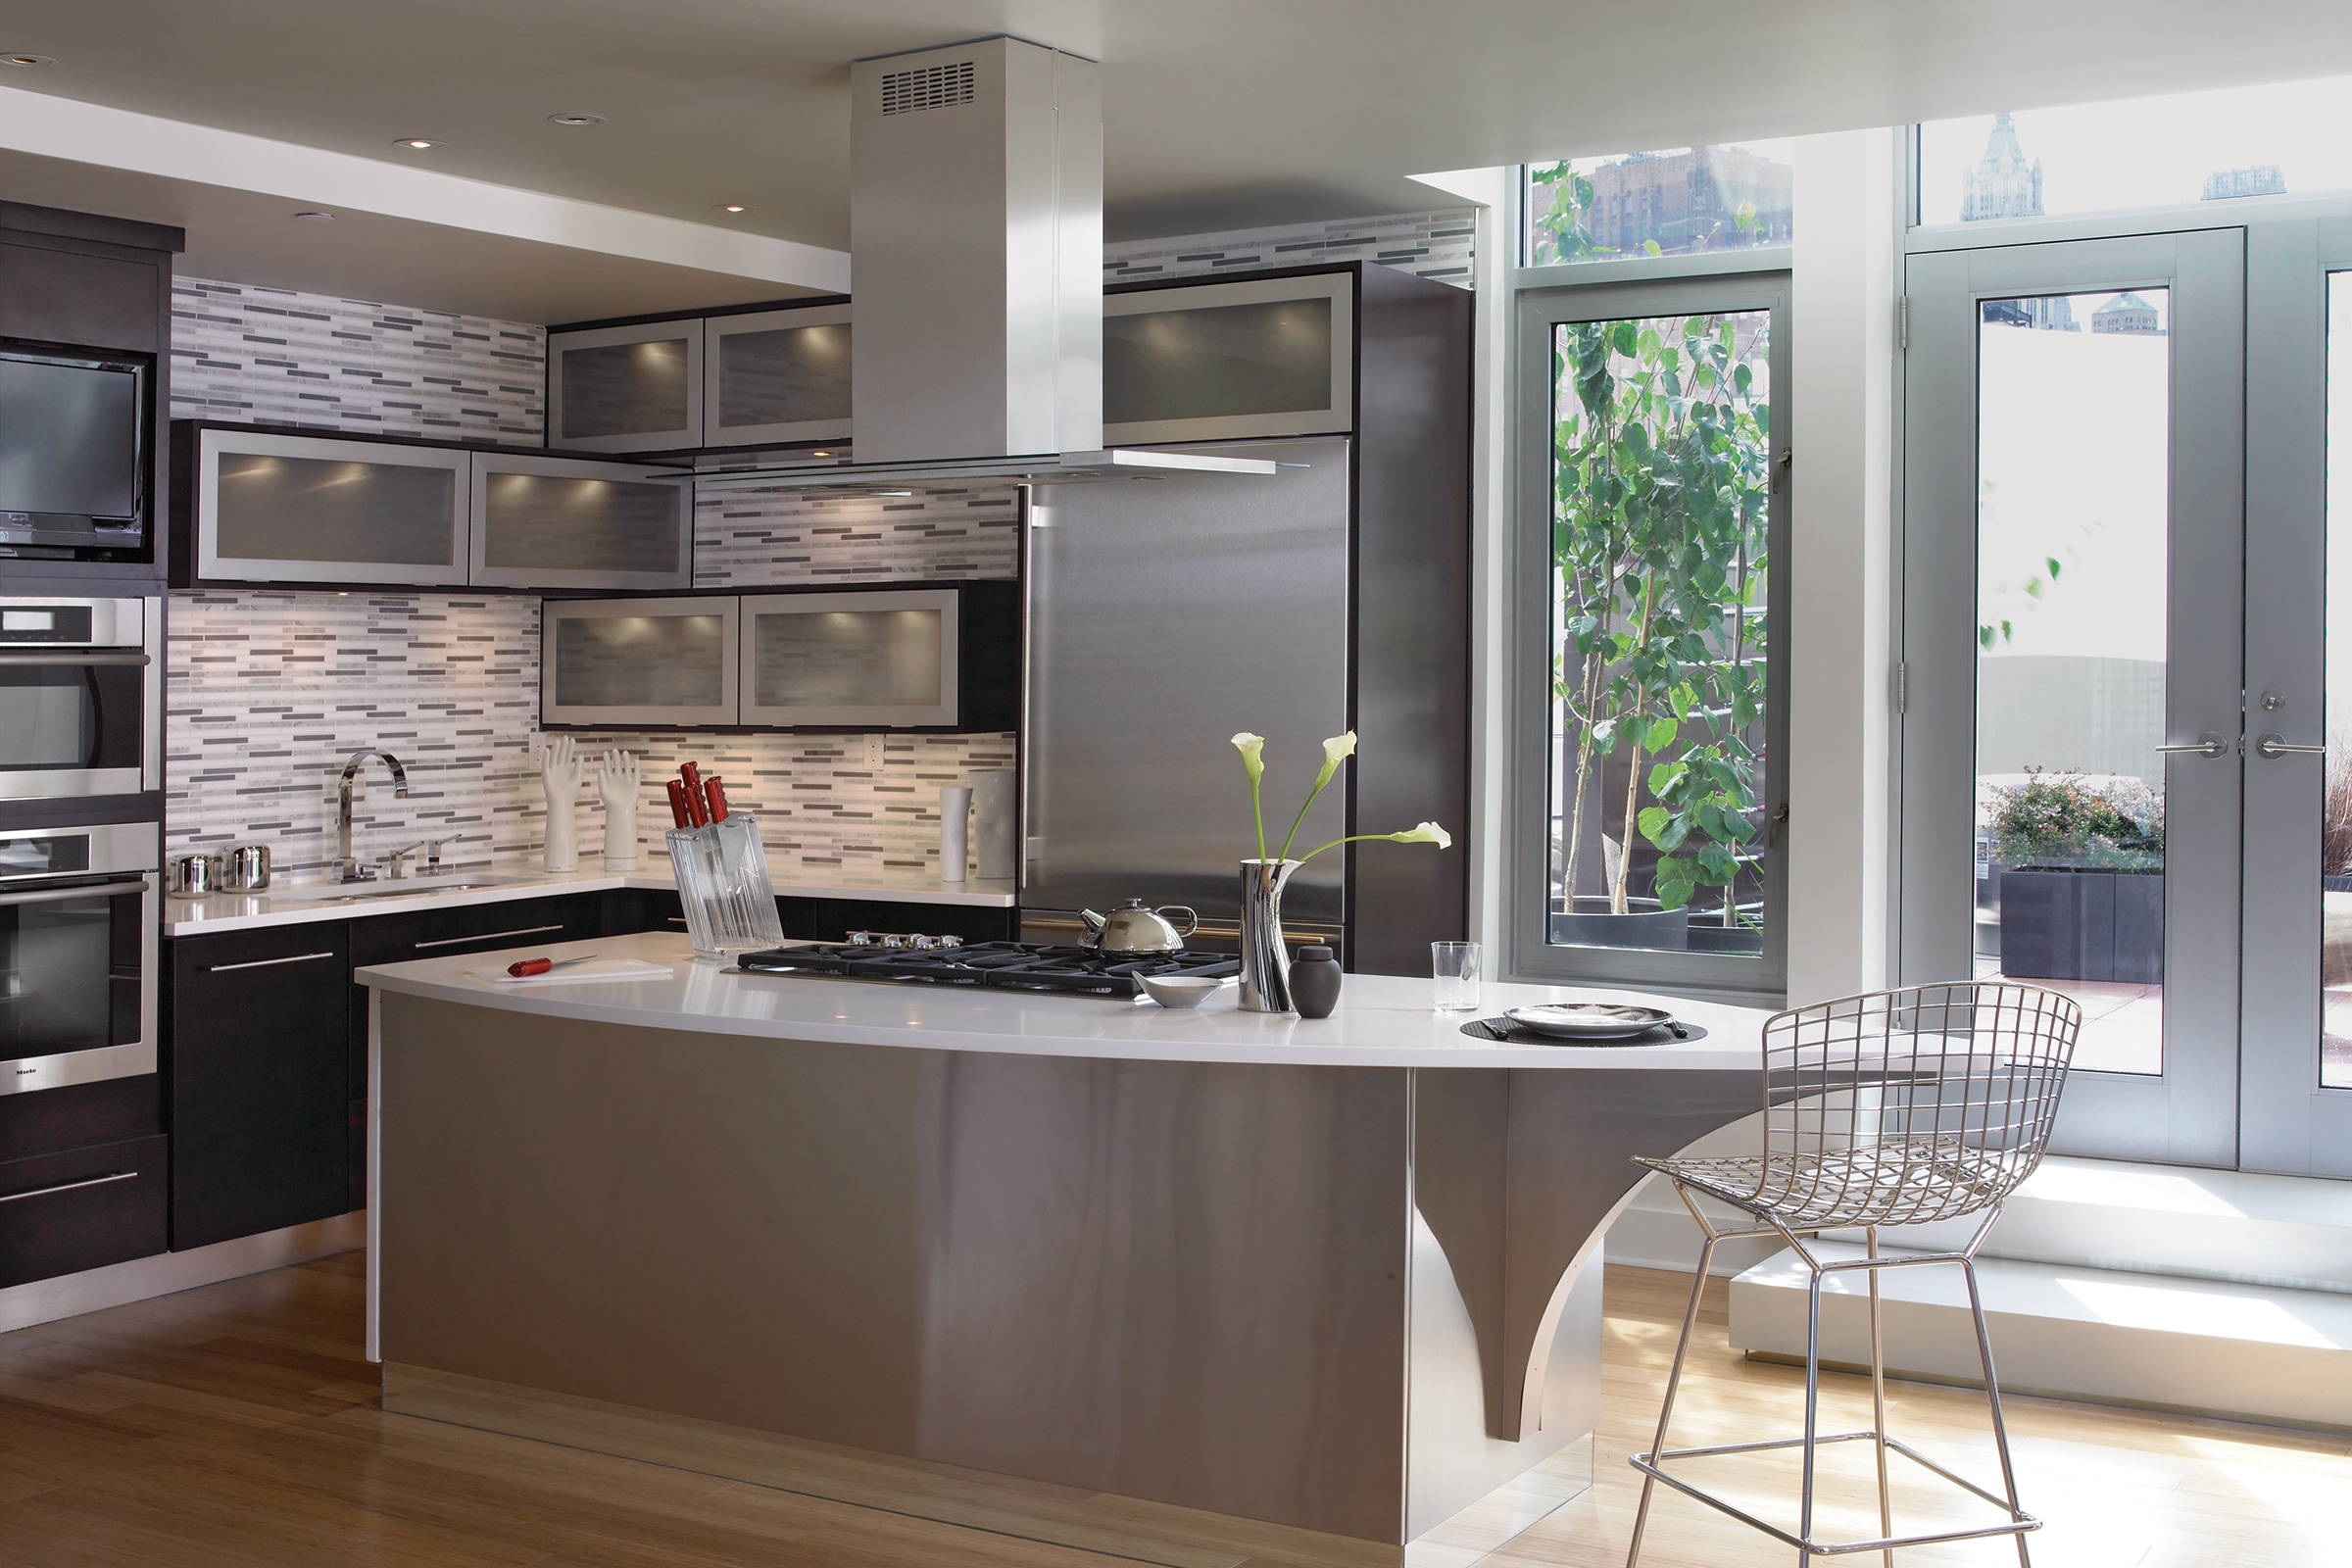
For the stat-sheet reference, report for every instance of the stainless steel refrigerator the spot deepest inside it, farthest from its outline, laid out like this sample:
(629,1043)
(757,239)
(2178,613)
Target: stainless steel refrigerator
(1164,617)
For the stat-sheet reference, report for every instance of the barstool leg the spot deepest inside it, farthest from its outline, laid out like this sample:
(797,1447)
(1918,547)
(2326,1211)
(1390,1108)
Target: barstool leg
(1674,1381)
(1993,1398)
(1877,1395)
(1804,1514)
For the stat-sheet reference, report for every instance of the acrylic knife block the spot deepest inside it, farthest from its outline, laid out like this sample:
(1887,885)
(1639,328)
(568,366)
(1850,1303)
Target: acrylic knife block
(729,903)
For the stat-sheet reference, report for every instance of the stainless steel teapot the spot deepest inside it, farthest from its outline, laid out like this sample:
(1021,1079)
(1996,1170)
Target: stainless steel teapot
(1138,929)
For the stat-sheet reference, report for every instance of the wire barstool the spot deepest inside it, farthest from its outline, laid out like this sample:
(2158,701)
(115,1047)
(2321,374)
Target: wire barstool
(1895,1107)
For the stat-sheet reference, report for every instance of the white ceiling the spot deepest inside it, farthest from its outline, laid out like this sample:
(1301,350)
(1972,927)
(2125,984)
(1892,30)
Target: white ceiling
(1219,112)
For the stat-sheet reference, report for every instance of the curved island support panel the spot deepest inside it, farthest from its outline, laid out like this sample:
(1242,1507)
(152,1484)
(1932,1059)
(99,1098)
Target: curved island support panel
(1172,1309)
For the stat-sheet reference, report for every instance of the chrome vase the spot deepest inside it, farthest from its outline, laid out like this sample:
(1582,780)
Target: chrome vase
(1265,961)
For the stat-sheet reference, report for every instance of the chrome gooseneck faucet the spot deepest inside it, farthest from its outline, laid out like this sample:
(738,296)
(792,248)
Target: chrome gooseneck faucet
(345,868)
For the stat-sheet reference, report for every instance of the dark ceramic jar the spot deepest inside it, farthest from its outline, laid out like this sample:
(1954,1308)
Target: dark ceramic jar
(1314,982)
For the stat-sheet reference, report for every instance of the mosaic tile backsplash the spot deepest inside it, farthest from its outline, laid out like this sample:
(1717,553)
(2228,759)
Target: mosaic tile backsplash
(753,541)
(268,693)
(273,355)
(1431,244)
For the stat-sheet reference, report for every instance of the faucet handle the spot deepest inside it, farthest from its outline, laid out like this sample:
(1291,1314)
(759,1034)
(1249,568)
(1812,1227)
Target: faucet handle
(396,857)
(432,857)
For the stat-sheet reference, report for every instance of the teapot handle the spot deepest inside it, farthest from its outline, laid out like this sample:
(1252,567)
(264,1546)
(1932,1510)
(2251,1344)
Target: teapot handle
(1190,915)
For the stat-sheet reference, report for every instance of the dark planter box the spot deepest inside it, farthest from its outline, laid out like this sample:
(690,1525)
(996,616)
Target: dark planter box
(2082,925)
(1644,925)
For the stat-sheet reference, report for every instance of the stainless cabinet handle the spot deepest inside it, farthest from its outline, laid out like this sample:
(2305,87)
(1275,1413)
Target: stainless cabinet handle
(2277,745)
(108,890)
(263,963)
(451,942)
(66,656)
(2209,744)
(67,1187)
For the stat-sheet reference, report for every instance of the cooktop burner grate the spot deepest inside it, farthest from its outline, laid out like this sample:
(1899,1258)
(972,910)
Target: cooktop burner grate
(1008,966)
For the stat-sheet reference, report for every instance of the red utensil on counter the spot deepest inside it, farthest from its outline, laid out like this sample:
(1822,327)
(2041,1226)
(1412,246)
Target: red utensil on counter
(680,816)
(714,798)
(532,966)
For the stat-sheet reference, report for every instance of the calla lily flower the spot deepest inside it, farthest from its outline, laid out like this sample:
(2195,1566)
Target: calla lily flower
(1426,833)
(1336,750)
(1253,747)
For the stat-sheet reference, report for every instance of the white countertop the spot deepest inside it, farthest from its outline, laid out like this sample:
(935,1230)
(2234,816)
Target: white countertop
(249,911)
(1381,1021)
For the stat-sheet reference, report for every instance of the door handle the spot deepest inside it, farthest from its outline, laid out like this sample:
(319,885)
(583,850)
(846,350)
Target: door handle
(67,656)
(451,942)
(263,963)
(97,890)
(2275,744)
(68,1187)
(2209,744)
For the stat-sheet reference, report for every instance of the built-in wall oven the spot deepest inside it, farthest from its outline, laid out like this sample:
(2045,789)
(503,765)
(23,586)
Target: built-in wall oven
(80,913)
(82,686)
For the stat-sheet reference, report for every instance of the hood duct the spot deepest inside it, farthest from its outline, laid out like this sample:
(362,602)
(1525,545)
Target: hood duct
(976,248)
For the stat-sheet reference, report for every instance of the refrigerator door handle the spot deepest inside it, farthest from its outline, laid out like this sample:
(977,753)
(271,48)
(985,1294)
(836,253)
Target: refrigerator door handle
(1027,506)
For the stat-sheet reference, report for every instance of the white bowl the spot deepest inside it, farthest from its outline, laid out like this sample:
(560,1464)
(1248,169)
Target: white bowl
(1180,989)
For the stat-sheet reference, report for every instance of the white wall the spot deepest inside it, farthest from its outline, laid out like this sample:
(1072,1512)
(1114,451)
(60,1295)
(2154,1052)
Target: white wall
(1841,570)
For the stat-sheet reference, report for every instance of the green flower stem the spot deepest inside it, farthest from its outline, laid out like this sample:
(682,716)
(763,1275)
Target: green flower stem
(1301,818)
(1258,811)
(1359,838)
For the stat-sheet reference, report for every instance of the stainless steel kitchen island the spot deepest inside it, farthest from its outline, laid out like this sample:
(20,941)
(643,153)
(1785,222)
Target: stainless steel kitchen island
(1190,1286)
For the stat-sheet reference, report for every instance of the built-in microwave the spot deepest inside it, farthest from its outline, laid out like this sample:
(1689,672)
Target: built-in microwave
(80,912)
(81,692)
(77,458)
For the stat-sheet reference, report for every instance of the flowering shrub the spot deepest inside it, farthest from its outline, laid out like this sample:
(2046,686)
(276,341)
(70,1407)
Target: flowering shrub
(2063,820)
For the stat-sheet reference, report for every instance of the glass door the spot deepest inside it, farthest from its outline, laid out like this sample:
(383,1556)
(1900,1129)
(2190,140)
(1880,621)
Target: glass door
(2296,1018)
(2073,652)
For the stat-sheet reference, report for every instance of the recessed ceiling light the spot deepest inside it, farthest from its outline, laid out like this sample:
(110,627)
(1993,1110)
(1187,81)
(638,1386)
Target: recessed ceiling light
(28,60)
(577,119)
(417,143)
(734,206)
(316,217)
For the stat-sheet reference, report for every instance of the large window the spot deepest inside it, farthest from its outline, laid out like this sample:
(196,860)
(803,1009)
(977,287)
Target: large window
(2147,152)
(1647,775)
(1682,200)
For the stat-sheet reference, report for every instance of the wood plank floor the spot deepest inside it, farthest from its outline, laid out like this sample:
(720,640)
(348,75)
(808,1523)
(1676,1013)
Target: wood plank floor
(237,1425)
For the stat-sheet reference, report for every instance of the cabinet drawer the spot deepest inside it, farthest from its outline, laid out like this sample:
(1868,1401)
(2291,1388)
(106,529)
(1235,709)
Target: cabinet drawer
(81,1208)
(477,928)
(103,1112)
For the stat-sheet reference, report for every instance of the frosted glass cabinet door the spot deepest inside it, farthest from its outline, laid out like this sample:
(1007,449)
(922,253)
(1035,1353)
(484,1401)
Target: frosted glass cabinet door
(884,660)
(627,388)
(312,509)
(629,661)
(557,523)
(1216,362)
(776,375)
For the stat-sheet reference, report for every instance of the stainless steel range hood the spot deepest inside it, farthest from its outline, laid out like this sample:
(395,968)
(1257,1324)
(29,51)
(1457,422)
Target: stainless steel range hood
(976,244)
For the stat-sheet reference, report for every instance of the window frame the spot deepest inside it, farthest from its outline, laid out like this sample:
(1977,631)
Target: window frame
(1542,297)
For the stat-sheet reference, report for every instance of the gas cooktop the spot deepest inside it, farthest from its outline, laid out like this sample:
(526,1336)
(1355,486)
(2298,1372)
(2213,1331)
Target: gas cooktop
(1005,966)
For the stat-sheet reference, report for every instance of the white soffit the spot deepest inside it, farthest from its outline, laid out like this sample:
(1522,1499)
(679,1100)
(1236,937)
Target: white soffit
(65,128)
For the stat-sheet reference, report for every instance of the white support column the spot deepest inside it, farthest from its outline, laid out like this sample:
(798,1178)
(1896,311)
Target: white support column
(1841,565)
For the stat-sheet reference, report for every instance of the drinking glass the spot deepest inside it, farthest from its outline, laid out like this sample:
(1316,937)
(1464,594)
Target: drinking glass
(1454,967)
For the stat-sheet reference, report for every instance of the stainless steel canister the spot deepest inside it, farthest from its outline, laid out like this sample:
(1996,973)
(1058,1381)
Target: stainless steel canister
(194,873)
(246,868)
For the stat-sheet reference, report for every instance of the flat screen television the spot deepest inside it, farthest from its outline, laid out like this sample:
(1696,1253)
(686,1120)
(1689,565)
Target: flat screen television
(76,472)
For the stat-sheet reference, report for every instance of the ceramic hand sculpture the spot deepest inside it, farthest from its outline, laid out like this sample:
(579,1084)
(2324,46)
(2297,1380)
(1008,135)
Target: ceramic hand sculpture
(616,786)
(559,771)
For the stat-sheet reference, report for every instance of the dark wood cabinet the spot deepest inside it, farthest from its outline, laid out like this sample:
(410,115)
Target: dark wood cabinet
(83,1208)
(475,928)
(257,1068)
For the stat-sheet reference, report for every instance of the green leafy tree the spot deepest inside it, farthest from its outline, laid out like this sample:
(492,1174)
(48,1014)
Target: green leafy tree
(1661,503)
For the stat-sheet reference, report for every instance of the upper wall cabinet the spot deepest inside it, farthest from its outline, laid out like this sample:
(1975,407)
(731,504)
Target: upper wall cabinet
(776,376)
(252,506)
(740,378)
(295,509)
(557,523)
(1231,360)
(627,388)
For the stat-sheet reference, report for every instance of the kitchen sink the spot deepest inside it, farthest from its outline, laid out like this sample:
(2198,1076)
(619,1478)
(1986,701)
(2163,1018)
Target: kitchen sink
(406,887)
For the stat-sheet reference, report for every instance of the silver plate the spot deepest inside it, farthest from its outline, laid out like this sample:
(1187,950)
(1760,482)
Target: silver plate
(1589,1020)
